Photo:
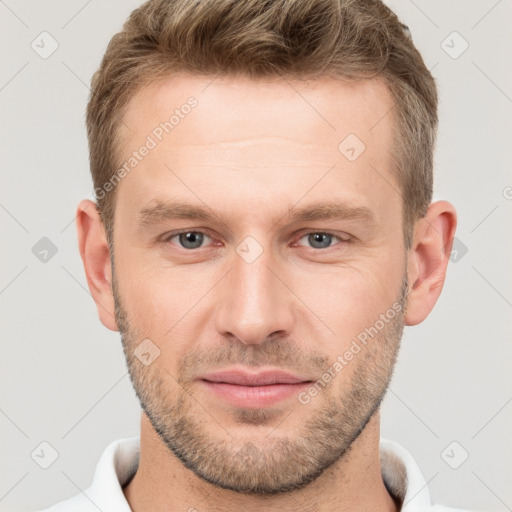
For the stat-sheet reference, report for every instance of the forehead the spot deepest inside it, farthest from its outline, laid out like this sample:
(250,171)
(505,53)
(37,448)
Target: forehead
(243,133)
(228,110)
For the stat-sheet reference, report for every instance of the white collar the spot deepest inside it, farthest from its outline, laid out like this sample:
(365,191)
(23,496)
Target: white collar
(120,459)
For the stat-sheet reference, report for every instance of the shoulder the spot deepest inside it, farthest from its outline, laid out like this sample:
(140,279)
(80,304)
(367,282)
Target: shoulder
(443,508)
(79,503)
(117,464)
(404,480)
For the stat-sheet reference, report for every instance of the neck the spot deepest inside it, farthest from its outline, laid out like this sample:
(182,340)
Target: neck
(354,482)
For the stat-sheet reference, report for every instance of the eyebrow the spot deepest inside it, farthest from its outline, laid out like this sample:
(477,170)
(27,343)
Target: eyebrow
(165,211)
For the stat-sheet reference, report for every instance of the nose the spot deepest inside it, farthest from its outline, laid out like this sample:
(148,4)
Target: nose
(253,303)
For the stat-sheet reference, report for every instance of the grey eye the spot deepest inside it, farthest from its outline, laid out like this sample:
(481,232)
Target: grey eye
(191,239)
(320,240)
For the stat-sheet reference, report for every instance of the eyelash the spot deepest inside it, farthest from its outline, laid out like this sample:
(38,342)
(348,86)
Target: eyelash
(168,238)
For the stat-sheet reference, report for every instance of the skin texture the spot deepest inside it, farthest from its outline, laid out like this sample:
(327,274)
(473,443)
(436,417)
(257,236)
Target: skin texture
(252,152)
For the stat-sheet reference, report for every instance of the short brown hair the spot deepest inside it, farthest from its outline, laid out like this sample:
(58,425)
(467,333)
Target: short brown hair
(307,39)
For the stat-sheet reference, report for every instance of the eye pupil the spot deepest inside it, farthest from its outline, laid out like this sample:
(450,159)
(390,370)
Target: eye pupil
(191,240)
(323,239)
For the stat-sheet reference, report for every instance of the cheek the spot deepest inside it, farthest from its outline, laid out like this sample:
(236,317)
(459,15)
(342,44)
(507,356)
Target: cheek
(350,298)
(165,304)
(149,300)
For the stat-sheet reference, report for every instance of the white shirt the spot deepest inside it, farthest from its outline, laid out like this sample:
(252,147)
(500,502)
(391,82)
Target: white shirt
(120,460)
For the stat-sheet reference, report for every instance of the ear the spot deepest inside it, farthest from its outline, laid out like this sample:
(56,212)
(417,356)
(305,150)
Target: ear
(428,259)
(94,250)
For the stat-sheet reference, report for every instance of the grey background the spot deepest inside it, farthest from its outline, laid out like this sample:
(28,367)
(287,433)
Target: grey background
(63,375)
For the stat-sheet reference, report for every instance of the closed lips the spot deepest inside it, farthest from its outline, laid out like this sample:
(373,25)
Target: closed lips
(251,379)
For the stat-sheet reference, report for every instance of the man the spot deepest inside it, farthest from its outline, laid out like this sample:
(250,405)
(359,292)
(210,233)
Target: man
(262,233)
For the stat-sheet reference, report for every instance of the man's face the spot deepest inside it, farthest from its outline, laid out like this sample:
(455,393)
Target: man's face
(257,286)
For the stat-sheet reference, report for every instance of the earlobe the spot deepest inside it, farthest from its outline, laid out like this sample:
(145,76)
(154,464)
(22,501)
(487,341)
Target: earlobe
(428,259)
(95,254)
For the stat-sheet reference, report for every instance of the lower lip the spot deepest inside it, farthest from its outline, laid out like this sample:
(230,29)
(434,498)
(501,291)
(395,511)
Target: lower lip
(254,396)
